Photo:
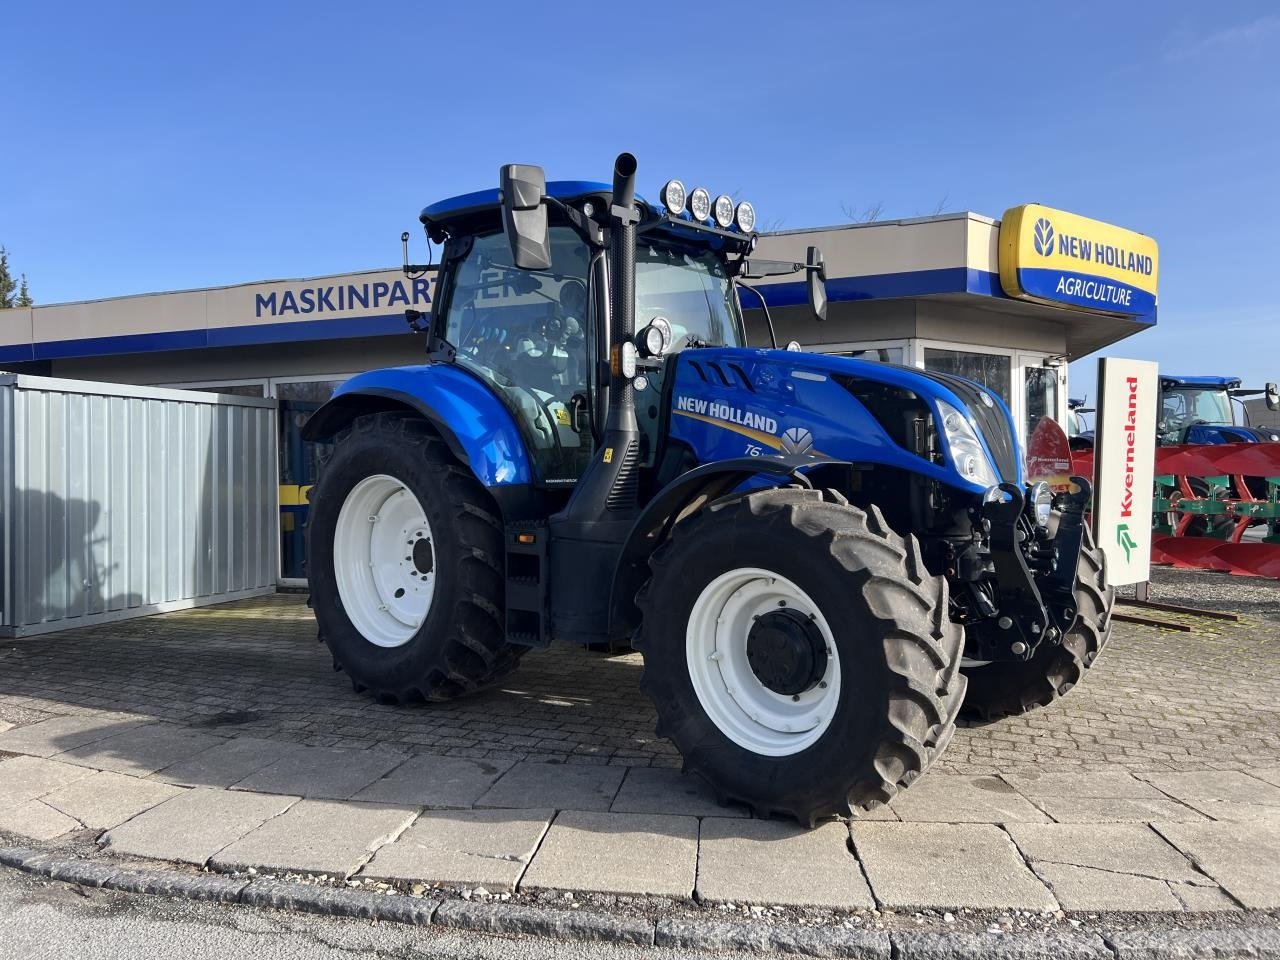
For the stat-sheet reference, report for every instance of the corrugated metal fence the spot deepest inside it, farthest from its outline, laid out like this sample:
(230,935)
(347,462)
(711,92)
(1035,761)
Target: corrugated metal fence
(119,501)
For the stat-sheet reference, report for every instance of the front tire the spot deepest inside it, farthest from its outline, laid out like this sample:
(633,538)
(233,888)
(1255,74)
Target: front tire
(799,654)
(404,559)
(1005,688)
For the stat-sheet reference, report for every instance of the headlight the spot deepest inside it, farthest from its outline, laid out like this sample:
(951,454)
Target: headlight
(724,212)
(967,454)
(673,197)
(655,339)
(746,217)
(1041,498)
(700,203)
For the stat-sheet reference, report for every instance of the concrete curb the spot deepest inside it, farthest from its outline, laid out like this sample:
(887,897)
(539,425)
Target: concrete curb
(1254,943)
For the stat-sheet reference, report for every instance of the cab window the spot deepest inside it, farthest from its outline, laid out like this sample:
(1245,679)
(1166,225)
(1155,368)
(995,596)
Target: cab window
(690,289)
(526,333)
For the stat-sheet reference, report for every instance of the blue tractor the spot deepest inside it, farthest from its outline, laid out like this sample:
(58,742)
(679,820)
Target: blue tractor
(816,556)
(1200,410)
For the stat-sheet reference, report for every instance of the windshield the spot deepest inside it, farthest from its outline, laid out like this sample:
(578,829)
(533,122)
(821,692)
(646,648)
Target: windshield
(691,290)
(1191,405)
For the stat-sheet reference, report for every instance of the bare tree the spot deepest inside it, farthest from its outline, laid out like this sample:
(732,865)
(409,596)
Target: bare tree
(868,214)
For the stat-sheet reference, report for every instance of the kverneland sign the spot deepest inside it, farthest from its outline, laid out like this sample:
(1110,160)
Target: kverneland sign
(1125,464)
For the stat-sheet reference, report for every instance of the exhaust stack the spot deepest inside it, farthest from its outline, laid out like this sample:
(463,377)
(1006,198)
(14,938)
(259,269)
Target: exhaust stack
(587,536)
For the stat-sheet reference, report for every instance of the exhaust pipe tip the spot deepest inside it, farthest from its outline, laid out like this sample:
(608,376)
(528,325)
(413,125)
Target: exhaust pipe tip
(624,180)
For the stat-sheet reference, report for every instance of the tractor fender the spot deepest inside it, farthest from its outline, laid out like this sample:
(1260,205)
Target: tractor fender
(470,418)
(686,494)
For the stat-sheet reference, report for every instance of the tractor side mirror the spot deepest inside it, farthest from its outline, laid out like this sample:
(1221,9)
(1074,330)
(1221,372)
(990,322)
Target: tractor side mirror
(1273,397)
(524,216)
(816,271)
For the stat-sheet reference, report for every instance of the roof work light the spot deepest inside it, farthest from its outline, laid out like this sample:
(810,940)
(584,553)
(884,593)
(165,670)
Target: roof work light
(673,197)
(699,206)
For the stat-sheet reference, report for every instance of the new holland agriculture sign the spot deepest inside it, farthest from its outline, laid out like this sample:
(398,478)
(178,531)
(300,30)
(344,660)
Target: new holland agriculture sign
(1051,256)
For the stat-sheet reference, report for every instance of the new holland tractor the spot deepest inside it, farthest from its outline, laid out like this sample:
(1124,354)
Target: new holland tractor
(815,555)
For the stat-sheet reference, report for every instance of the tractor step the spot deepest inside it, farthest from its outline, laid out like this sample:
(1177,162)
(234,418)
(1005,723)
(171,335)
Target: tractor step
(526,577)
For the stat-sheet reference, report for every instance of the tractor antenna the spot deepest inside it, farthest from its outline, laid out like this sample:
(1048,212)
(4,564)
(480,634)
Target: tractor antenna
(414,270)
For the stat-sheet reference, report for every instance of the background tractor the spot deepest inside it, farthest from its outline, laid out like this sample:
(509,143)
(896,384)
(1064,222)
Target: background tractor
(816,556)
(1202,410)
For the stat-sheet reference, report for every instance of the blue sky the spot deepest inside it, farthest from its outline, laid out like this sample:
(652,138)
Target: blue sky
(164,146)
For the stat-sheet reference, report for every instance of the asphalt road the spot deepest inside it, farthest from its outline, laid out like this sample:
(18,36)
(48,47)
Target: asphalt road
(40,919)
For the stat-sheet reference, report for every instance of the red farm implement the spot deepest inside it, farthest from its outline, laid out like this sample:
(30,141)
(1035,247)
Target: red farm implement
(1209,505)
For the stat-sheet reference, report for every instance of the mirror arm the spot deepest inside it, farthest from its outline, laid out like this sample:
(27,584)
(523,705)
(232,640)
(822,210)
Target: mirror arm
(768,319)
(587,228)
(759,269)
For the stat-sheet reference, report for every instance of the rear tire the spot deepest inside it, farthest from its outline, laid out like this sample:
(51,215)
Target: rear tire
(890,686)
(1004,688)
(394,467)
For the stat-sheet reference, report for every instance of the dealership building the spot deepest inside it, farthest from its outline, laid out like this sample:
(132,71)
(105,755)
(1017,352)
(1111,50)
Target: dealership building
(925,292)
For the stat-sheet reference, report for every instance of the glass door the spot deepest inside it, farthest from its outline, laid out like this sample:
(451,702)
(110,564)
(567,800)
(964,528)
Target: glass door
(297,398)
(1042,389)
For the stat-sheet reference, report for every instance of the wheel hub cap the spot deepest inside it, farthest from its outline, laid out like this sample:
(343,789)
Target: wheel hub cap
(763,661)
(384,561)
(787,652)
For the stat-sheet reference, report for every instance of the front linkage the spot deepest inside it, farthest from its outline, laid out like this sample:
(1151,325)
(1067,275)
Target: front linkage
(1019,576)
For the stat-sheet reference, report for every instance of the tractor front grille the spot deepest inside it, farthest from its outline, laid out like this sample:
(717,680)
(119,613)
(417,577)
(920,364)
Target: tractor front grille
(991,421)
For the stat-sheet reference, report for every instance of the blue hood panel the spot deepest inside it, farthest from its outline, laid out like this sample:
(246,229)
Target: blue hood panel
(1219,433)
(731,402)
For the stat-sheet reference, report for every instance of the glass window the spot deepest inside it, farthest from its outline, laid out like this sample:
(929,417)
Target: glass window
(990,370)
(1041,396)
(691,290)
(1182,408)
(299,465)
(526,333)
(232,389)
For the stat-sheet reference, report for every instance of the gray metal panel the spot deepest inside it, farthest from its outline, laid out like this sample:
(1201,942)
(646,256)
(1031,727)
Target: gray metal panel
(6,503)
(118,501)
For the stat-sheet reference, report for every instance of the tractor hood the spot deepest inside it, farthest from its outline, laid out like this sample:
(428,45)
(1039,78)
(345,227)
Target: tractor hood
(989,413)
(730,401)
(1221,433)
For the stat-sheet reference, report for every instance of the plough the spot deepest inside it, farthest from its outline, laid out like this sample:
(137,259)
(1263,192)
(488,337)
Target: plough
(1206,497)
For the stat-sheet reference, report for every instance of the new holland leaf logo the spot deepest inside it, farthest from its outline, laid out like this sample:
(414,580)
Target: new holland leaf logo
(797,440)
(1125,540)
(1044,237)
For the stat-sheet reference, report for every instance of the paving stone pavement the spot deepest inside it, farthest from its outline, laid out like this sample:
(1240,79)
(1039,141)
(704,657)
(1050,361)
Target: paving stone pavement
(193,736)
(195,825)
(913,866)
(481,848)
(1243,858)
(1157,701)
(625,853)
(767,862)
(1113,867)
(317,836)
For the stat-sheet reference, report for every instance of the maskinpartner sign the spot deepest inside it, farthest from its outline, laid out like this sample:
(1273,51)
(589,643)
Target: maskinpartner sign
(1051,256)
(1124,466)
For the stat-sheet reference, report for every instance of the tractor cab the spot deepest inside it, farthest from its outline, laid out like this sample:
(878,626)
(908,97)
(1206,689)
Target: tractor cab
(538,332)
(1201,410)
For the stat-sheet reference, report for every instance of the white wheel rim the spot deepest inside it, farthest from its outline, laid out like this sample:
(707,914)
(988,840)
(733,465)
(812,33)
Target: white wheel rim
(382,544)
(734,698)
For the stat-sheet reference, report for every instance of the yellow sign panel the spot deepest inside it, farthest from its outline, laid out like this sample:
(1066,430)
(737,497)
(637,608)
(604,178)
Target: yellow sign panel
(1052,256)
